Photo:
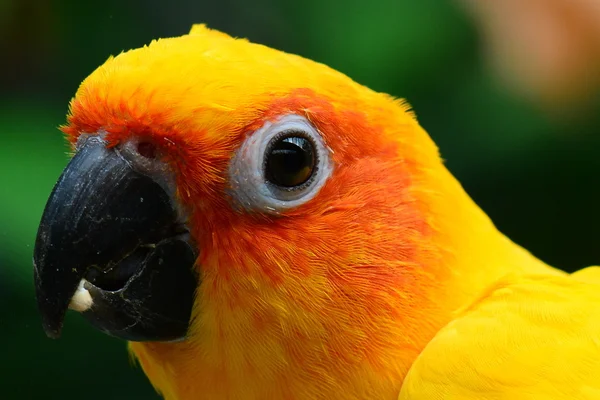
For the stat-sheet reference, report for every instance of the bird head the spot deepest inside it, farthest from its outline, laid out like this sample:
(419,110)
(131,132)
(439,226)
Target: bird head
(254,208)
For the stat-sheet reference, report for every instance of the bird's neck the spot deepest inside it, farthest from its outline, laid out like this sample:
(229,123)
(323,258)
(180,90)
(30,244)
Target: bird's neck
(278,352)
(477,253)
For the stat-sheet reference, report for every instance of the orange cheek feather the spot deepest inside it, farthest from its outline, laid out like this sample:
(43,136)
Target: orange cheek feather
(334,287)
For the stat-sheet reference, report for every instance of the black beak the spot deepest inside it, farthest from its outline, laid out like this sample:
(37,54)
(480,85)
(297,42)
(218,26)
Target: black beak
(113,235)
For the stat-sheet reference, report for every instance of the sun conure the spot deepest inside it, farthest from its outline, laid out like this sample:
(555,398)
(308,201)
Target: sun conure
(259,226)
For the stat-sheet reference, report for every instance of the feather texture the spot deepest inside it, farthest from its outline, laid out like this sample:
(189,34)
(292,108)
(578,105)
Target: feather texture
(527,338)
(331,300)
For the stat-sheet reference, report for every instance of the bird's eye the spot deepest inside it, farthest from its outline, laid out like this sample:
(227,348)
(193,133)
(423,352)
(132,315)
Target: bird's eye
(290,160)
(279,166)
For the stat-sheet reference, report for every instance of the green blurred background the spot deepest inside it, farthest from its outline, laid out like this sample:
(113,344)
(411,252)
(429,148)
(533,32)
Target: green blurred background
(536,176)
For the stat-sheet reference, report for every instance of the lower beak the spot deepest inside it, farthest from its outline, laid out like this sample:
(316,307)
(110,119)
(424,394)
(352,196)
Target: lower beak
(110,245)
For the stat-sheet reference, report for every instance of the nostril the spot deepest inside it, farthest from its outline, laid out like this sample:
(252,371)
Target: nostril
(147,150)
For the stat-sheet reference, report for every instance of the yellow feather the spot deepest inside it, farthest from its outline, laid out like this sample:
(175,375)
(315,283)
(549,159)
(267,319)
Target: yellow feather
(529,337)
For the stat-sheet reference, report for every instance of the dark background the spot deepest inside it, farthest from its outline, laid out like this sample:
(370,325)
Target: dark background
(534,174)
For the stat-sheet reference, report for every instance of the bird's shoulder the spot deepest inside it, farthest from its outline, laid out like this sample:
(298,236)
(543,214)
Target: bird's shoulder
(526,337)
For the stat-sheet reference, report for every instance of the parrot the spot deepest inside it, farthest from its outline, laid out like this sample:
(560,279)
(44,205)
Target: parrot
(256,225)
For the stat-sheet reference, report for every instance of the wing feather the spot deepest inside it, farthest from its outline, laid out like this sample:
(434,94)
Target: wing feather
(526,338)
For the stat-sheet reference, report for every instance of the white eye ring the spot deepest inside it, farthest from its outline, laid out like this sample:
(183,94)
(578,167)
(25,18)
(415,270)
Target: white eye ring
(249,186)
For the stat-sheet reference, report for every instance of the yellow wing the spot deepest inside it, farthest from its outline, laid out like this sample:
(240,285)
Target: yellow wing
(528,337)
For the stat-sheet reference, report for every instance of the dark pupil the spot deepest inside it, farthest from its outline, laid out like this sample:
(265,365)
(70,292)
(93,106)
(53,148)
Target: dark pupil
(290,161)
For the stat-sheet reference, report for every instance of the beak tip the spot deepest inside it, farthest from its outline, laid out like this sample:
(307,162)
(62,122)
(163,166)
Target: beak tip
(52,326)
(52,317)
(52,333)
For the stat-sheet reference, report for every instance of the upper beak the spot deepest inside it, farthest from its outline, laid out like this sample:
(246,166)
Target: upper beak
(113,235)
